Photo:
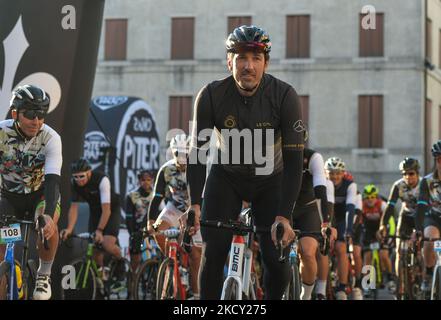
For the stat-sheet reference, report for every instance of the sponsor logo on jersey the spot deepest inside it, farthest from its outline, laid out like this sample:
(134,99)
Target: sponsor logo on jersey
(230,122)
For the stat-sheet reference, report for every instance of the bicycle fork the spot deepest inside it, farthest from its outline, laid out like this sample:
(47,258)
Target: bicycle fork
(9,257)
(173,255)
(236,266)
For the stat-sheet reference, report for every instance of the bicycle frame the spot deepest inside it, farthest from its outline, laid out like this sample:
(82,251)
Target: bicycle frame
(235,266)
(173,249)
(408,265)
(375,248)
(89,263)
(241,263)
(149,249)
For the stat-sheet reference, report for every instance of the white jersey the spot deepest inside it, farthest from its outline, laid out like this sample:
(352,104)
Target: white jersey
(24,162)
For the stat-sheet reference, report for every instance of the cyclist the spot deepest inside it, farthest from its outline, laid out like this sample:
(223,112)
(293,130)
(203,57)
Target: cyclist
(357,293)
(171,184)
(137,203)
(323,261)
(256,105)
(311,214)
(373,209)
(94,188)
(30,167)
(405,189)
(428,219)
(344,208)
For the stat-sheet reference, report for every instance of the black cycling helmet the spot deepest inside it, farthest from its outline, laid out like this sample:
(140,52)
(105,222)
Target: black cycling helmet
(409,164)
(30,97)
(248,37)
(436,149)
(80,165)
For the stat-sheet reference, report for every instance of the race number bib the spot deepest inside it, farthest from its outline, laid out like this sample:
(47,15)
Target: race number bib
(437,246)
(11,233)
(375,246)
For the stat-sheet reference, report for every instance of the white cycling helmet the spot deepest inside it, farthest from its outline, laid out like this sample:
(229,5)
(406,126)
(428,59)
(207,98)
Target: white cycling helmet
(334,164)
(179,144)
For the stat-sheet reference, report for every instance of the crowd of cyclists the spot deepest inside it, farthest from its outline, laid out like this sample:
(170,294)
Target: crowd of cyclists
(303,192)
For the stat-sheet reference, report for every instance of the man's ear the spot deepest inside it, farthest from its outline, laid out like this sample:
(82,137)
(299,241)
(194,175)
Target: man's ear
(230,62)
(266,65)
(14,114)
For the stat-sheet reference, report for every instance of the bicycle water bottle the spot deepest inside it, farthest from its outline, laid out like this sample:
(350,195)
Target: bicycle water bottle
(19,280)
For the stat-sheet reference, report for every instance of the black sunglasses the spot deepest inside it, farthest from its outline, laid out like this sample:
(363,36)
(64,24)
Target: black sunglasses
(31,114)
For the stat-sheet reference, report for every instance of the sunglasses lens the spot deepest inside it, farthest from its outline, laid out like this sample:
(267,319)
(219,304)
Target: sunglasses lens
(31,114)
(79,177)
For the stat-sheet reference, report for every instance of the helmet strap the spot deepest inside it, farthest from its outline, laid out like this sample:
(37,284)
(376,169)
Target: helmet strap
(18,129)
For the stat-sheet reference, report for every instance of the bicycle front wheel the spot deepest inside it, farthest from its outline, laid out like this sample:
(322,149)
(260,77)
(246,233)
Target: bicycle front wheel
(144,286)
(119,285)
(403,279)
(294,283)
(83,284)
(231,290)
(436,285)
(165,285)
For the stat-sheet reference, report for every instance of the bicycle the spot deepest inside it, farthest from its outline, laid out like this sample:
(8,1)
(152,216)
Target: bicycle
(91,283)
(144,284)
(173,278)
(374,248)
(11,270)
(410,269)
(435,293)
(173,281)
(293,289)
(241,282)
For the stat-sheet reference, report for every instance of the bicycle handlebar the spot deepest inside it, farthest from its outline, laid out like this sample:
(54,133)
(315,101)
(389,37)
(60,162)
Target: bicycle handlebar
(237,227)
(86,236)
(7,220)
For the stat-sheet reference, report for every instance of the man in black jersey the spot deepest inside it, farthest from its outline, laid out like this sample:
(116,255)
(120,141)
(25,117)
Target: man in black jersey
(250,112)
(94,188)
